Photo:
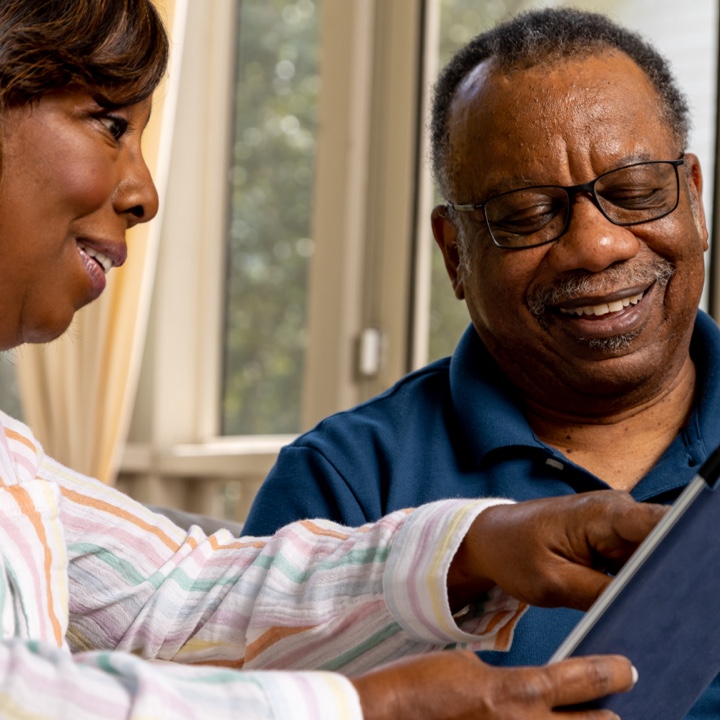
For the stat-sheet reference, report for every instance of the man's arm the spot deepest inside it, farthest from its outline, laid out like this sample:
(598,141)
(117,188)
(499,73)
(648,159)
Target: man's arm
(458,686)
(310,486)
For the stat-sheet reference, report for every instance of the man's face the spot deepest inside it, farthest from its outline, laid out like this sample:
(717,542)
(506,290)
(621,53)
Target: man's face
(550,314)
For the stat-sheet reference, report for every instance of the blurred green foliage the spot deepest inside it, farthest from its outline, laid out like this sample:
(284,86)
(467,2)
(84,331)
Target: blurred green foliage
(271,180)
(269,245)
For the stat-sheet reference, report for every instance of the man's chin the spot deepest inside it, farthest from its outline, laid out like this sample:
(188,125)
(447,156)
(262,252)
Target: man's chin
(611,336)
(616,344)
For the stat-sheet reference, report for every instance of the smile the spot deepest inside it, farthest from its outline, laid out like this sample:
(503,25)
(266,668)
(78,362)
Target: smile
(604,308)
(103,260)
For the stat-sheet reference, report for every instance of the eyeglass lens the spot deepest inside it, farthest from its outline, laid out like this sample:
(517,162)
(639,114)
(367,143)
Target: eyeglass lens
(627,196)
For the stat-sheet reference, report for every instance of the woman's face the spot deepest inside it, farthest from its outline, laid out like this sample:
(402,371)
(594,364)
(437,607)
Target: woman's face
(72,181)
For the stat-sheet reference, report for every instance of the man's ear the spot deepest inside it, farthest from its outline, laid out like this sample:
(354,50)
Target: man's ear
(445,234)
(695,186)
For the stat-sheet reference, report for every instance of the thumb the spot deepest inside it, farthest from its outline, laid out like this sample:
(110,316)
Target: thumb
(633,525)
(580,586)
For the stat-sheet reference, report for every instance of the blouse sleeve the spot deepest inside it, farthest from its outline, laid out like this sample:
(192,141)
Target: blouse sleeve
(316,595)
(161,619)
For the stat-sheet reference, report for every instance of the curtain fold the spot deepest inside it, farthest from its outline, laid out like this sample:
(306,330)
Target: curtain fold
(78,391)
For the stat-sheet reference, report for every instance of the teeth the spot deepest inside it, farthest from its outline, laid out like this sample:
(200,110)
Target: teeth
(603,308)
(105,262)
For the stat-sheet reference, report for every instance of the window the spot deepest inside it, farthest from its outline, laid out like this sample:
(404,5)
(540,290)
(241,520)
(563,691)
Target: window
(330,241)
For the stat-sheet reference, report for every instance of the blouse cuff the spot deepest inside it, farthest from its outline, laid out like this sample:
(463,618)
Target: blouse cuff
(309,695)
(415,581)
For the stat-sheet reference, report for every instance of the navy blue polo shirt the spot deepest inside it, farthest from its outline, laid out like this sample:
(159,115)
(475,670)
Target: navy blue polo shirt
(455,429)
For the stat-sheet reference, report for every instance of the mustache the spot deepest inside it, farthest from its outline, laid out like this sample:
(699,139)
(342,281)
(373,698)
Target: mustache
(576,285)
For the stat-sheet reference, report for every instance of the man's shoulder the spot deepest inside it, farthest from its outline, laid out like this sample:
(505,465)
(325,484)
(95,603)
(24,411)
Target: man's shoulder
(357,465)
(415,399)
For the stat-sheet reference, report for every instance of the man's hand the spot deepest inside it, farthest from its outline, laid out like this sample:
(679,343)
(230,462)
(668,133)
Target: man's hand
(456,685)
(550,552)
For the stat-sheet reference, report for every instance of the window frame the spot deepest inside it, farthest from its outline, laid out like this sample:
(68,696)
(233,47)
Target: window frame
(364,193)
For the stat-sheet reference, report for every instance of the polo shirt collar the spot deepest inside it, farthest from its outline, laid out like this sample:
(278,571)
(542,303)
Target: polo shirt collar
(490,417)
(485,401)
(705,352)
(689,450)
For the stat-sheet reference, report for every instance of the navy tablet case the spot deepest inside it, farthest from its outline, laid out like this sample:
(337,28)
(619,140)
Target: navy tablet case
(662,610)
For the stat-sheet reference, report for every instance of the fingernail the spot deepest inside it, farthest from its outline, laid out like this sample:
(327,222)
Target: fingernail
(634,674)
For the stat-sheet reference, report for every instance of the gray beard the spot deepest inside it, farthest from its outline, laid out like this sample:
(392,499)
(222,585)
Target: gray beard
(541,302)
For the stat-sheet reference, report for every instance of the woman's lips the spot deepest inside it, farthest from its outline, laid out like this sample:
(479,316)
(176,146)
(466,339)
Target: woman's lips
(106,262)
(95,271)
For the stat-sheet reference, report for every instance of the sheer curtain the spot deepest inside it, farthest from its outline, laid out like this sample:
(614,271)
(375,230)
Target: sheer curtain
(77,392)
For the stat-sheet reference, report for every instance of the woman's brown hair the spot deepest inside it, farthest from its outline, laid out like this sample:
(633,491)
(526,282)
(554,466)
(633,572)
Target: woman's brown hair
(117,50)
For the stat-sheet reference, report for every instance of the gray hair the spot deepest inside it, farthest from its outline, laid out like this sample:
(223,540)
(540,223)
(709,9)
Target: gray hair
(543,36)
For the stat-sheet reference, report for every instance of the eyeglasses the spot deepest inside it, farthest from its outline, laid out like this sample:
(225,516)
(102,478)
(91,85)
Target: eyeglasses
(533,216)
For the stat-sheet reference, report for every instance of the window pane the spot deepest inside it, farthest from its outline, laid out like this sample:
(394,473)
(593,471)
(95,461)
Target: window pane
(269,245)
(460,20)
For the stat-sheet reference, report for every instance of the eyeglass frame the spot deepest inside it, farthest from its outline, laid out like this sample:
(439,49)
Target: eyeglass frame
(572,192)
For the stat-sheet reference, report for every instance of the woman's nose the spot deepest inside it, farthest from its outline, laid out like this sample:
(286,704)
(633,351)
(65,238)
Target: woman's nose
(137,197)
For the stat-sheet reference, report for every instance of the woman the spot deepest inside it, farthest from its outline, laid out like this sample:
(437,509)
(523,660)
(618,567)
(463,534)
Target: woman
(87,570)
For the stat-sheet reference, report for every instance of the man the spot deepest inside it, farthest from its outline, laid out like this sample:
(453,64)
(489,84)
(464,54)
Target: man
(574,231)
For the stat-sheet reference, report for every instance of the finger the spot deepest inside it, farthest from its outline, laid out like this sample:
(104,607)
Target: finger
(635,522)
(614,532)
(623,525)
(582,679)
(590,714)
(574,586)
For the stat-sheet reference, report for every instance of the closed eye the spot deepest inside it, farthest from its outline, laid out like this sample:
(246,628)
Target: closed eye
(641,197)
(525,220)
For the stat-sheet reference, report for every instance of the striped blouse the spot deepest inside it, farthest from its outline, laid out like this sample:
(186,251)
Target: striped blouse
(98,594)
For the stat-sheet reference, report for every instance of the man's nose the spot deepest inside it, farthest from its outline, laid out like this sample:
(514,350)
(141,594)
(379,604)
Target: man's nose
(591,242)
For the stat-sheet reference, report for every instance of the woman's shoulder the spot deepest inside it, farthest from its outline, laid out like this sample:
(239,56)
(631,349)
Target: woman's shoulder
(20,452)
(17,431)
